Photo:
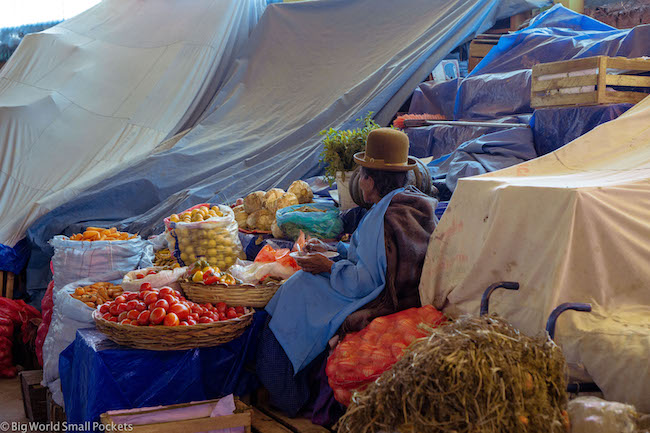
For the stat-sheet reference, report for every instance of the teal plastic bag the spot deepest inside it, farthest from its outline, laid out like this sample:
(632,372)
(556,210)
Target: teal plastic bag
(318,220)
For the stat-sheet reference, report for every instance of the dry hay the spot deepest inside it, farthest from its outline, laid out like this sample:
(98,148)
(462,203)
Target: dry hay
(475,375)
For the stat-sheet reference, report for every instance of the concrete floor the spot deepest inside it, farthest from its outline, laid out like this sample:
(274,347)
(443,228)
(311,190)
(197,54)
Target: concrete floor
(11,401)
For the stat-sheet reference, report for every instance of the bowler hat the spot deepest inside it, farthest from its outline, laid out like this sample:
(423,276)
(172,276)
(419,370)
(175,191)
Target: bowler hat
(386,149)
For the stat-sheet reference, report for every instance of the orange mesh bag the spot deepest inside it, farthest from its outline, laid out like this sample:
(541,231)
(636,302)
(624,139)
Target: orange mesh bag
(363,356)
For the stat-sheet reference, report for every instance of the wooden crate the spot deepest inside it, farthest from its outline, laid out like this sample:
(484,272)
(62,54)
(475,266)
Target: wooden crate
(241,418)
(8,282)
(480,47)
(34,395)
(593,81)
(55,413)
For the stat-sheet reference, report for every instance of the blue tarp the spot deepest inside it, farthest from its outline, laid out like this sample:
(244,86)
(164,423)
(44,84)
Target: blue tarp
(500,83)
(98,375)
(308,66)
(14,259)
(487,153)
(435,98)
(555,127)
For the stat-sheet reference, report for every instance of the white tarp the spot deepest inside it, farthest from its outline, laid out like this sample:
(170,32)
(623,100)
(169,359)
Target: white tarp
(572,226)
(83,98)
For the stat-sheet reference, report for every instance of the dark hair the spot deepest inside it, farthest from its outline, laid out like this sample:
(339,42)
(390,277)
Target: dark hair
(386,181)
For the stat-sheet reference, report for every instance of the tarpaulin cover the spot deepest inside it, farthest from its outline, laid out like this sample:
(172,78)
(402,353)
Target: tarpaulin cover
(94,93)
(557,126)
(14,259)
(490,152)
(571,226)
(308,66)
(438,140)
(98,375)
(500,84)
(434,97)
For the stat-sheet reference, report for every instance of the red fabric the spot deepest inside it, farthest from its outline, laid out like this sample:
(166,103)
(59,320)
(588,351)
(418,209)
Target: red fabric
(47,305)
(363,356)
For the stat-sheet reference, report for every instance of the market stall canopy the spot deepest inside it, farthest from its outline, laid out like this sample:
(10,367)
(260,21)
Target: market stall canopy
(80,100)
(571,226)
(309,66)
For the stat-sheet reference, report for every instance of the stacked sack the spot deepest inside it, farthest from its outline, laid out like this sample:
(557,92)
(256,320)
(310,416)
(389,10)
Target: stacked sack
(363,356)
(12,315)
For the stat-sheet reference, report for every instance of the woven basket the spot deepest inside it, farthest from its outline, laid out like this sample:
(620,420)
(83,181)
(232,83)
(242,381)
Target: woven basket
(174,337)
(247,295)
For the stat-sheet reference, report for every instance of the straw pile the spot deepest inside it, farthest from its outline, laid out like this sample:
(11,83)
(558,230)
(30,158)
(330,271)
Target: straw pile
(475,375)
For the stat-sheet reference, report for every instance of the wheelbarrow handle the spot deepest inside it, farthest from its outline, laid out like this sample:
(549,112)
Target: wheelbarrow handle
(550,324)
(485,300)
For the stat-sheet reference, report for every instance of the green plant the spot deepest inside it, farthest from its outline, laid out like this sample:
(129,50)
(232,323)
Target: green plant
(339,147)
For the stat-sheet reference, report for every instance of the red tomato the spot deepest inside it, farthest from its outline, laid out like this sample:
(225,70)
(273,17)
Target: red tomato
(139,276)
(145,286)
(113,309)
(151,306)
(231,313)
(113,319)
(180,310)
(107,316)
(183,323)
(141,306)
(120,300)
(240,310)
(195,316)
(121,308)
(143,318)
(125,322)
(191,321)
(132,314)
(131,304)
(103,309)
(205,320)
(157,316)
(131,296)
(151,272)
(171,320)
(169,298)
(222,316)
(222,307)
(211,280)
(195,309)
(122,316)
(161,303)
(150,298)
(166,291)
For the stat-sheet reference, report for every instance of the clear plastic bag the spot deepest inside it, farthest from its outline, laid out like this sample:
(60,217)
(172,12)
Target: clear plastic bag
(216,240)
(314,219)
(595,415)
(163,277)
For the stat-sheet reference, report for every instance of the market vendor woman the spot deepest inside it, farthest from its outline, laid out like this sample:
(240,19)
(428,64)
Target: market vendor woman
(379,274)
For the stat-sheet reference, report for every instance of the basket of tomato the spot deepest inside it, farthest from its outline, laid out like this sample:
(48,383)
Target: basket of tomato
(204,283)
(162,319)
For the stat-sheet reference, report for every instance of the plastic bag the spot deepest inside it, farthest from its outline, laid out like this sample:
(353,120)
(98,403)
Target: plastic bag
(97,260)
(594,415)
(7,368)
(363,356)
(216,240)
(68,316)
(268,263)
(323,221)
(163,277)
(6,327)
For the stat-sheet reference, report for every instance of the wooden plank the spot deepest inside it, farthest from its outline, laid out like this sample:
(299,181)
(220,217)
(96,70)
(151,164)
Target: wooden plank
(479,50)
(565,66)
(263,423)
(564,99)
(622,97)
(538,85)
(34,395)
(296,425)
(472,62)
(602,77)
(635,64)
(628,80)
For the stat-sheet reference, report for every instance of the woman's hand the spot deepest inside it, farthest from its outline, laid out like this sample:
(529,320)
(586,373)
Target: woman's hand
(315,245)
(315,263)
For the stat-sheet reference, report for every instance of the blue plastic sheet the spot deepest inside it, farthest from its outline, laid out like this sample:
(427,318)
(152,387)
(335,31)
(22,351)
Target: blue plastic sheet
(14,259)
(500,83)
(434,97)
(307,66)
(98,375)
(439,140)
(555,127)
(487,153)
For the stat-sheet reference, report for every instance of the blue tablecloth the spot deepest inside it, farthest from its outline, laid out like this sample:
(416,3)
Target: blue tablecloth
(98,375)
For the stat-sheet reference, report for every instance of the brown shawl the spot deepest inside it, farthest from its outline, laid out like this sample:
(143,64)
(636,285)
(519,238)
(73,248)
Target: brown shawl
(408,224)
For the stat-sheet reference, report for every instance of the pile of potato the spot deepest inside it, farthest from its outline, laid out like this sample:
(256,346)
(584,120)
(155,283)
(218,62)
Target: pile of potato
(96,294)
(258,210)
(99,234)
